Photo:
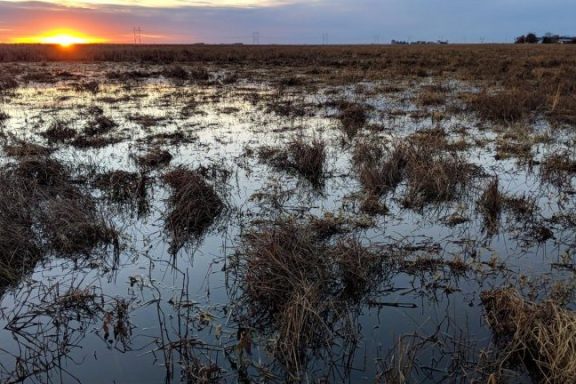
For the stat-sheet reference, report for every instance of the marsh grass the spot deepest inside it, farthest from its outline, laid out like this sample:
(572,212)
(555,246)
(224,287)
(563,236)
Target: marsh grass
(99,125)
(122,186)
(24,149)
(508,106)
(436,178)
(490,205)
(59,132)
(431,169)
(353,117)
(539,337)
(558,169)
(302,288)
(193,205)
(45,211)
(154,158)
(306,158)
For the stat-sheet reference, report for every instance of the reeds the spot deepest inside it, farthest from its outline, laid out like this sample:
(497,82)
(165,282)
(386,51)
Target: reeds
(431,174)
(539,337)
(43,211)
(308,159)
(299,156)
(193,206)
(59,132)
(490,205)
(154,158)
(99,125)
(301,287)
(558,168)
(23,149)
(508,106)
(122,186)
(353,117)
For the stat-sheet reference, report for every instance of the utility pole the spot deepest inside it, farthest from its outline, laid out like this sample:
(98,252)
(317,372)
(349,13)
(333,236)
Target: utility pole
(325,39)
(256,38)
(137,35)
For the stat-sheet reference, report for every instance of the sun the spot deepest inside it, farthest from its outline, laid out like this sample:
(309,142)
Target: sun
(64,38)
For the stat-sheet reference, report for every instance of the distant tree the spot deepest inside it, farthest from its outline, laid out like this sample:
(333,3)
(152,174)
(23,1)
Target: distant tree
(550,38)
(531,38)
(520,40)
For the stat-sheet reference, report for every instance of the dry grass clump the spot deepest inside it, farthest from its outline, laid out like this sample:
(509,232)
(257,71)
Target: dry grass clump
(301,287)
(490,205)
(558,168)
(379,169)
(506,149)
(507,106)
(24,149)
(431,174)
(3,116)
(353,117)
(74,226)
(435,177)
(539,337)
(430,97)
(19,246)
(99,125)
(7,84)
(156,157)
(305,158)
(42,210)
(194,205)
(121,186)
(59,132)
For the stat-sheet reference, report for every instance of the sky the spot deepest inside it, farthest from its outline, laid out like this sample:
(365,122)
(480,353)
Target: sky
(286,21)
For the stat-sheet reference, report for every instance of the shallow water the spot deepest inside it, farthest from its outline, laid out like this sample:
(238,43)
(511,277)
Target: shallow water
(191,295)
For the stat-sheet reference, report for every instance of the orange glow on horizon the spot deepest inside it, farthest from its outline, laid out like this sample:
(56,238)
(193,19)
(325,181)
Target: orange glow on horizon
(62,37)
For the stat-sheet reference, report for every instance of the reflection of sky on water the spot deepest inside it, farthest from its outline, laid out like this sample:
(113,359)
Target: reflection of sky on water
(221,132)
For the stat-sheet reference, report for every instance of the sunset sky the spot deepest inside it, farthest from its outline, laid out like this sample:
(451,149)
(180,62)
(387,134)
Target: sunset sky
(284,21)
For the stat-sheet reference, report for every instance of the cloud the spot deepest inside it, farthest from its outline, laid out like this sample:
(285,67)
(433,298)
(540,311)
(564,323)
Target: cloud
(169,3)
(292,21)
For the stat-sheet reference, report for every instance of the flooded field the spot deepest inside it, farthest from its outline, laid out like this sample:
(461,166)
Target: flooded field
(390,215)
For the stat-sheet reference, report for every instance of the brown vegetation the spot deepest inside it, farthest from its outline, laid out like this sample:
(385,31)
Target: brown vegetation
(305,158)
(353,117)
(490,205)
(193,204)
(42,211)
(156,157)
(541,337)
(301,287)
(431,174)
(558,168)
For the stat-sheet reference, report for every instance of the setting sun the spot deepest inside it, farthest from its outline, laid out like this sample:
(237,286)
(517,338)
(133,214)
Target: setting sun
(63,38)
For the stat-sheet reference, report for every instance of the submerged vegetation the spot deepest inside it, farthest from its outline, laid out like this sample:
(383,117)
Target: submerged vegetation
(222,214)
